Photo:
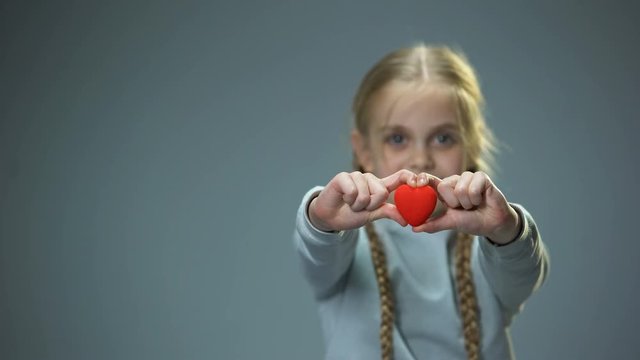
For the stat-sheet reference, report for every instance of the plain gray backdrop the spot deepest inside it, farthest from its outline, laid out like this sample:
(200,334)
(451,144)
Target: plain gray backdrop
(153,155)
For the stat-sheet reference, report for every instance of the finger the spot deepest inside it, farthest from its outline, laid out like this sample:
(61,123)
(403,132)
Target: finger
(462,190)
(445,191)
(388,211)
(445,222)
(434,181)
(377,191)
(423,179)
(344,186)
(477,187)
(404,176)
(493,194)
(363,198)
(428,179)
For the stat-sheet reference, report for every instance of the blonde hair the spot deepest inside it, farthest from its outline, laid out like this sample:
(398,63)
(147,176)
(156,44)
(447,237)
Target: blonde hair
(439,65)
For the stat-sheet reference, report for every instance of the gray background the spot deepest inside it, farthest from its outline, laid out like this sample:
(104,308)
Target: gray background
(153,154)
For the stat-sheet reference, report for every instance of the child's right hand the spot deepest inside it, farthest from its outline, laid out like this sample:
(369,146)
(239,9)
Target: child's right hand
(350,200)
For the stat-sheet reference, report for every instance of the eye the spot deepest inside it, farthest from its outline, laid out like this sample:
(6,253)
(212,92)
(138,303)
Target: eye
(444,139)
(396,139)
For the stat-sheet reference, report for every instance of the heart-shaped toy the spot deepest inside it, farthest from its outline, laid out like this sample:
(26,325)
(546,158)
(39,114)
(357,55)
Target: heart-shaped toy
(415,204)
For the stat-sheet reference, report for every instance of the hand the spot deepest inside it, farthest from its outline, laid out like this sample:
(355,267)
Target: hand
(474,205)
(351,200)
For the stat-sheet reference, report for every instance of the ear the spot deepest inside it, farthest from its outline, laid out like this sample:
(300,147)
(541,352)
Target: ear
(362,151)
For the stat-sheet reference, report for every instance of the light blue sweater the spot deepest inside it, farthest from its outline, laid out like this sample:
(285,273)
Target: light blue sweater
(339,269)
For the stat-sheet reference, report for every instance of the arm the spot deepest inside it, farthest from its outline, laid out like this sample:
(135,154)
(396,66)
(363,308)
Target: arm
(514,260)
(324,256)
(328,221)
(515,270)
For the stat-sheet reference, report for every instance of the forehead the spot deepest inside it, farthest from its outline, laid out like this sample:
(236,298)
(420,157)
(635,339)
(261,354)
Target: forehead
(422,105)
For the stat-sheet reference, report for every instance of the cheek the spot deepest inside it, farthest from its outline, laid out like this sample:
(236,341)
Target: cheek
(386,163)
(451,162)
(458,163)
(394,160)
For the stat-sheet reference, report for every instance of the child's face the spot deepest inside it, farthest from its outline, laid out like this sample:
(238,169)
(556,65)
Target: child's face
(412,128)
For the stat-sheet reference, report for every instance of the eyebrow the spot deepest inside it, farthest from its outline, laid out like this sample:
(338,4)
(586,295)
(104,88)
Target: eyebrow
(446,126)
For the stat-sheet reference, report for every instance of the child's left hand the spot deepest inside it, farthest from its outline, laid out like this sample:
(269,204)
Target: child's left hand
(474,205)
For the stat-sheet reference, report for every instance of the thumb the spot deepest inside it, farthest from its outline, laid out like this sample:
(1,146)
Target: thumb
(388,211)
(393,181)
(444,222)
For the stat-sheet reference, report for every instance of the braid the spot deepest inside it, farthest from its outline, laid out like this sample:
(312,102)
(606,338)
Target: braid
(467,296)
(464,287)
(386,294)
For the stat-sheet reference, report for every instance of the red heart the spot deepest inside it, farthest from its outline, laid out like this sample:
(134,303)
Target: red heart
(415,204)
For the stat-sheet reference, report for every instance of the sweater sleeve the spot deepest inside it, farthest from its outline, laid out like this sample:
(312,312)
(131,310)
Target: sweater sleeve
(516,270)
(325,256)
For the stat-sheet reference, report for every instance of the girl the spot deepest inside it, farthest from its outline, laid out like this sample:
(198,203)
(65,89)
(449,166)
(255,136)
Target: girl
(385,290)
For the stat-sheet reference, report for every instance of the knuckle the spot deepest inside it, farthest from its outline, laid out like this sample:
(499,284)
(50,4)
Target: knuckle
(350,190)
(405,174)
(451,179)
(340,179)
(382,196)
(358,202)
(370,176)
(363,198)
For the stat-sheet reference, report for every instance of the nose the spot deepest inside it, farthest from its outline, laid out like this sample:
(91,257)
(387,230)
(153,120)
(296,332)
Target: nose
(422,159)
